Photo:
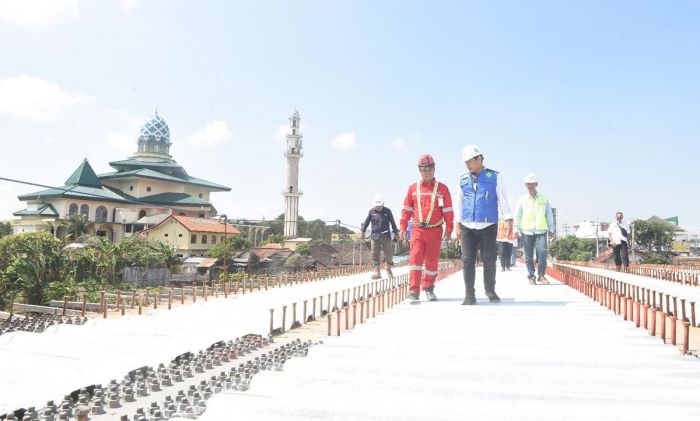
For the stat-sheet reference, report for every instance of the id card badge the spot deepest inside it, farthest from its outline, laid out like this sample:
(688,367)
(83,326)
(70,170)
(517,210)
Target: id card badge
(441,203)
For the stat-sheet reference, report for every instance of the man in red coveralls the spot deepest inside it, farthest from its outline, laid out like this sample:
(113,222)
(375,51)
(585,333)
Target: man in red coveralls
(429,203)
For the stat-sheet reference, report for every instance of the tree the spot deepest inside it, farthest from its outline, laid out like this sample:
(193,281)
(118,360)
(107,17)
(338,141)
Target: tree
(232,244)
(5,229)
(572,248)
(303,250)
(29,261)
(452,251)
(77,227)
(653,236)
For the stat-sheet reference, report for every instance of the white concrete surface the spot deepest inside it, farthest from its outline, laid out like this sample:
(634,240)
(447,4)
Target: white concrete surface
(544,353)
(36,367)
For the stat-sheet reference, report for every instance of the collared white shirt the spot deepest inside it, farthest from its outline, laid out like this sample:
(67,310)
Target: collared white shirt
(615,234)
(503,205)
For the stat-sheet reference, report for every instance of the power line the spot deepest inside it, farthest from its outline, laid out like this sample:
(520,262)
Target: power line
(138,202)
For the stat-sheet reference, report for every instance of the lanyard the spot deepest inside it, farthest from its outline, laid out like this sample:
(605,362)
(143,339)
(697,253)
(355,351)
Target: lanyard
(420,204)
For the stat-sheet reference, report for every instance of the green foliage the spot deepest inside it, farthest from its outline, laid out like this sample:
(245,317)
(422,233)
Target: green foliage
(293,261)
(653,236)
(658,258)
(303,250)
(316,229)
(35,267)
(29,261)
(572,248)
(452,251)
(5,229)
(232,244)
(77,226)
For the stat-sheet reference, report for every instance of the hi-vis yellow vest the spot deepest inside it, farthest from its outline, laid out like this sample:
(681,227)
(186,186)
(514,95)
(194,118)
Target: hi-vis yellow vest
(534,216)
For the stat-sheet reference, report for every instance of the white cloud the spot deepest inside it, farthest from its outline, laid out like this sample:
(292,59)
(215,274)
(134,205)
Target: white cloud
(344,141)
(31,14)
(215,133)
(31,98)
(129,5)
(398,144)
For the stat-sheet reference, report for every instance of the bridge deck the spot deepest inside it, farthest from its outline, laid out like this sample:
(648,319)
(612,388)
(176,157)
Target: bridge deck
(544,353)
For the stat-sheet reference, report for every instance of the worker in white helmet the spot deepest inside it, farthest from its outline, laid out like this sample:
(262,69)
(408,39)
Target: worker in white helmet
(483,198)
(534,222)
(383,231)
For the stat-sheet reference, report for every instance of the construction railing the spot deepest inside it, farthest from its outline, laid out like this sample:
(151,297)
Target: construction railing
(348,307)
(686,275)
(659,312)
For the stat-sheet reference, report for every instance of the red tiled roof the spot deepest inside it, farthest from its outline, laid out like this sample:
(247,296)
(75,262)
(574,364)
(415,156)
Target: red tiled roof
(194,224)
(213,225)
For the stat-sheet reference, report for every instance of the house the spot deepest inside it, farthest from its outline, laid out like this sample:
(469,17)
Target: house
(142,191)
(681,243)
(188,235)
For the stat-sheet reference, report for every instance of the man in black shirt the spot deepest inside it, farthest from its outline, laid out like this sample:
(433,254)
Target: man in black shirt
(383,225)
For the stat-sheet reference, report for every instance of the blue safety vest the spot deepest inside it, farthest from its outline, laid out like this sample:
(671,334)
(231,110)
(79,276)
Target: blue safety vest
(480,205)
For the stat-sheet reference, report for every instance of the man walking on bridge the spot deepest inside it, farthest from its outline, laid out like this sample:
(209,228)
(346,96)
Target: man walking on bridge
(619,236)
(534,222)
(429,203)
(383,226)
(483,197)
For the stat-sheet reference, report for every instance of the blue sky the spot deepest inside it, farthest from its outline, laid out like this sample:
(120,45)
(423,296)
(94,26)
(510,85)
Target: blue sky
(599,98)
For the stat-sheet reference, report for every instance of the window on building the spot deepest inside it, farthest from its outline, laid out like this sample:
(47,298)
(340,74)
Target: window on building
(193,239)
(221,238)
(204,238)
(73,209)
(179,235)
(85,210)
(129,227)
(148,189)
(201,195)
(165,235)
(131,188)
(142,213)
(150,146)
(213,238)
(101,214)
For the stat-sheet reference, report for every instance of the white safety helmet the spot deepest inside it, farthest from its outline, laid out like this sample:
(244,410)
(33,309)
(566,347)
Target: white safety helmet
(379,200)
(470,152)
(531,178)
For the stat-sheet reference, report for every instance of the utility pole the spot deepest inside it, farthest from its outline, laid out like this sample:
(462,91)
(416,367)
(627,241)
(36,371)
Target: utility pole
(597,248)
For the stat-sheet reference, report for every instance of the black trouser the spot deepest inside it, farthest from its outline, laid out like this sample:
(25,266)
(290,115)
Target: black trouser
(621,257)
(484,239)
(505,249)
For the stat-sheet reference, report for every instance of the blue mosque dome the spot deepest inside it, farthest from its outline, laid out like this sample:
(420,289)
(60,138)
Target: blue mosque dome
(154,136)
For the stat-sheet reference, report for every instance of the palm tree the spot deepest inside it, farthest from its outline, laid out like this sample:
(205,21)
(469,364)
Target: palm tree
(77,226)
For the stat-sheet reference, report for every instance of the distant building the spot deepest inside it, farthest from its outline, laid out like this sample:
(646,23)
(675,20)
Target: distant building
(190,236)
(291,190)
(681,243)
(142,191)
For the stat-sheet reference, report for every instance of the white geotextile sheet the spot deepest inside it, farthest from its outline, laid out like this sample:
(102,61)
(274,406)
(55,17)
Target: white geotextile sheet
(36,367)
(544,353)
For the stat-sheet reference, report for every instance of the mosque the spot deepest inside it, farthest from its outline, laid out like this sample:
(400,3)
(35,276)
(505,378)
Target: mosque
(142,191)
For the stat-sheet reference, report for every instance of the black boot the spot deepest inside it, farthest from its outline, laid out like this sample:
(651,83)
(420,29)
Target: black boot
(429,294)
(493,297)
(469,300)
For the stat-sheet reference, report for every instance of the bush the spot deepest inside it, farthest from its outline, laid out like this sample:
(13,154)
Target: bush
(573,249)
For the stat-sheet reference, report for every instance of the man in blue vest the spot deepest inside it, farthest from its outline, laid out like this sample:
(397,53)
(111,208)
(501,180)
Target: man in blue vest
(534,222)
(483,197)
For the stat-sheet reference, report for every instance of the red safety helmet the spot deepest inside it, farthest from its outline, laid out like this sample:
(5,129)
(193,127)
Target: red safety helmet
(425,160)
